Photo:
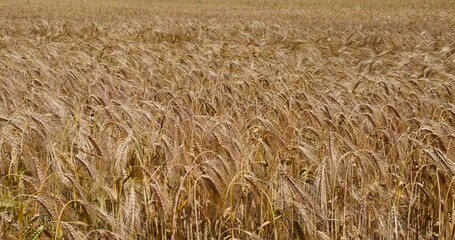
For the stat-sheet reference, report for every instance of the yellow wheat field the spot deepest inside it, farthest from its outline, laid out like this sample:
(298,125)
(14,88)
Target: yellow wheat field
(198,119)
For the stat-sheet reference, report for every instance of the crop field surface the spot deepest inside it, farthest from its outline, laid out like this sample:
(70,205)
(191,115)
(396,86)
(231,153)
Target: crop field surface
(198,119)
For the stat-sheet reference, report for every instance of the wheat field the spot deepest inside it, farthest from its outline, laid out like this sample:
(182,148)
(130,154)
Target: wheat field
(198,119)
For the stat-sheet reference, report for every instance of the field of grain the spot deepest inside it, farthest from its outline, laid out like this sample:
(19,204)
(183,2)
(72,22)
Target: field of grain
(197,119)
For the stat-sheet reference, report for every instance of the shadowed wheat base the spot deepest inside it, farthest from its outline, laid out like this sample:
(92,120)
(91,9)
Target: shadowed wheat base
(248,120)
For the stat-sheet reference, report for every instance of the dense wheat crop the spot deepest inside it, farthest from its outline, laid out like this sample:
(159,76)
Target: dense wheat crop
(221,120)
